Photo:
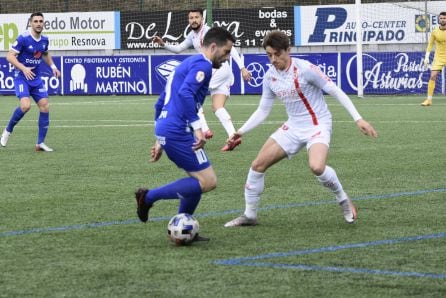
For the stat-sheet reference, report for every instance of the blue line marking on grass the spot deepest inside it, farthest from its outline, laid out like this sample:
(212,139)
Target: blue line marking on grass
(212,214)
(248,261)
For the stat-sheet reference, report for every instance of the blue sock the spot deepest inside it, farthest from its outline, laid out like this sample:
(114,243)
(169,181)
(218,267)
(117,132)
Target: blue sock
(188,190)
(44,122)
(189,204)
(15,118)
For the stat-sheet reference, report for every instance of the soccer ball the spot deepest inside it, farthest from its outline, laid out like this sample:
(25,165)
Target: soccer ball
(182,228)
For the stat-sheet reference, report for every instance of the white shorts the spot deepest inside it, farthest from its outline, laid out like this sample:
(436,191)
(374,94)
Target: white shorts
(222,80)
(293,139)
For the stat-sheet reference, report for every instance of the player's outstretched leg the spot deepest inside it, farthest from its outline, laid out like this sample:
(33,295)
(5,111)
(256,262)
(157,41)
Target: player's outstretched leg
(142,208)
(330,180)
(255,184)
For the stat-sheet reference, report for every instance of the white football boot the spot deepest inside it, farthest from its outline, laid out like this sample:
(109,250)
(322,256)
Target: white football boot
(242,220)
(43,147)
(349,210)
(5,137)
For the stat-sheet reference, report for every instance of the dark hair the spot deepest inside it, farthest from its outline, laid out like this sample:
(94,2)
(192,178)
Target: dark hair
(443,13)
(218,36)
(35,14)
(199,10)
(277,40)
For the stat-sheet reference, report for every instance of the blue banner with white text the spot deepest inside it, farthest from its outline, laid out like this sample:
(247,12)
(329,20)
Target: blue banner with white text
(105,75)
(52,84)
(383,73)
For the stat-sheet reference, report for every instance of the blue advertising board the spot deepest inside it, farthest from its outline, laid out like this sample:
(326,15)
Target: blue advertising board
(258,64)
(383,72)
(52,84)
(105,75)
(163,65)
(387,73)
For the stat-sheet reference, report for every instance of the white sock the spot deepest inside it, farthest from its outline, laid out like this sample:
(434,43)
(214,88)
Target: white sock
(255,183)
(330,180)
(204,124)
(225,120)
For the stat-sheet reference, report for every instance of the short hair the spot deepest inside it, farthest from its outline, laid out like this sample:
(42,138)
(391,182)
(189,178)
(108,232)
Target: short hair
(35,14)
(443,13)
(217,35)
(277,40)
(199,10)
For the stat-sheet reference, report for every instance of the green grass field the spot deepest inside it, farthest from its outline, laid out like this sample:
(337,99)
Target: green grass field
(68,226)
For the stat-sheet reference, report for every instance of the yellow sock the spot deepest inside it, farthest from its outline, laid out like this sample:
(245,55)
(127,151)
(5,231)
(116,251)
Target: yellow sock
(430,89)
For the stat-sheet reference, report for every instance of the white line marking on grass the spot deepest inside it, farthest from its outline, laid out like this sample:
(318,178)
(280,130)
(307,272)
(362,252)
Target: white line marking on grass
(145,123)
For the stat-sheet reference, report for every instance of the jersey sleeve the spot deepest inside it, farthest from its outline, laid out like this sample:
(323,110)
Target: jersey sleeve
(315,76)
(194,84)
(430,44)
(343,99)
(236,57)
(18,44)
(184,45)
(159,104)
(263,110)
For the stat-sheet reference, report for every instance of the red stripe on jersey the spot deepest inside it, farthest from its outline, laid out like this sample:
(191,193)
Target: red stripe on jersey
(304,99)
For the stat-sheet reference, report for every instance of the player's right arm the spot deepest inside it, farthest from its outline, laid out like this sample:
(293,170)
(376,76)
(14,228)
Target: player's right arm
(260,114)
(193,85)
(185,44)
(430,45)
(12,58)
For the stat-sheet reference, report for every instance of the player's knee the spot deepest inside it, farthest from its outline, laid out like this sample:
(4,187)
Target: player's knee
(25,107)
(209,183)
(317,168)
(44,107)
(258,166)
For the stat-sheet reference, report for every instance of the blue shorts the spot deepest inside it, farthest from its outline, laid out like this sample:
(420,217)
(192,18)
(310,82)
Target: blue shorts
(179,150)
(35,89)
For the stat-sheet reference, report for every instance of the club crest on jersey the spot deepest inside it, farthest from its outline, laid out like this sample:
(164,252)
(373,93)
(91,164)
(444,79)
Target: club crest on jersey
(199,77)
(37,54)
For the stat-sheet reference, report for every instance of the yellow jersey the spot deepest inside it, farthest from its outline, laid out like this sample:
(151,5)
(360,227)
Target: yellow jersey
(438,37)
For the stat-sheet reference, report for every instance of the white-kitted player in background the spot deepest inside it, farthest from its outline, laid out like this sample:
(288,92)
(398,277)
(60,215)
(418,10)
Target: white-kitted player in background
(222,78)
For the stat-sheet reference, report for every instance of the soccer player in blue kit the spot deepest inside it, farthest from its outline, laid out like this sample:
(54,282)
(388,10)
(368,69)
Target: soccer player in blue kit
(26,55)
(178,127)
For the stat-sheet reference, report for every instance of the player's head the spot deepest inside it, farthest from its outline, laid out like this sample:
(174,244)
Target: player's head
(442,18)
(195,17)
(277,47)
(217,45)
(36,22)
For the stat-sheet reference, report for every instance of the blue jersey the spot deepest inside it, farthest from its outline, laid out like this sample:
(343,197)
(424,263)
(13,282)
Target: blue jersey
(30,52)
(184,94)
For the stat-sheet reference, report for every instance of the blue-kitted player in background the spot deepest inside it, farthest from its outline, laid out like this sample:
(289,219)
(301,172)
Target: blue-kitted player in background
(178,127)
(26,55)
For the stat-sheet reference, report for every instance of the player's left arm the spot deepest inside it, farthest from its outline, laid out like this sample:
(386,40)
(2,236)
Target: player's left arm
(365,127)
(49,60)
(236,57)
(318,78)
(192,86)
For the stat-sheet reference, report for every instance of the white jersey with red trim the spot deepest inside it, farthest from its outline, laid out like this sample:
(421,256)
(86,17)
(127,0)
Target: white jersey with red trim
(300,89)
(220,77)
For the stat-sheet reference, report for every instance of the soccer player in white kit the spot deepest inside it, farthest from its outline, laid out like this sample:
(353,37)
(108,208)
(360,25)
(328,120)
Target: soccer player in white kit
(222,78)
(299,85)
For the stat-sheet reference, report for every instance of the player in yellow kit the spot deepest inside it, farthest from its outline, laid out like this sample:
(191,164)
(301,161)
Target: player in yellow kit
(438,37)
